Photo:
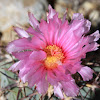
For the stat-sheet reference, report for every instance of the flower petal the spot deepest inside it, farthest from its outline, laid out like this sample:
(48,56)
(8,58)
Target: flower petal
(28,70)
(22,55)
(64,17)
(14,66)
(38,55)
(22,33)
(96,35)
(52,79)
(86,73)
(61,76)
(38,43)
(42,85)
(52,12)
(79,23)
(18,65)
(33,20)
(36,77)
(19,45)
(44,29)
(77,16)
(25,44)
(36,33)
(58,91)
(73,68)
(70,88)
(53,26)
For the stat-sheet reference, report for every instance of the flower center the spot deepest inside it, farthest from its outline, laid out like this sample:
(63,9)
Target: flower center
(54,58)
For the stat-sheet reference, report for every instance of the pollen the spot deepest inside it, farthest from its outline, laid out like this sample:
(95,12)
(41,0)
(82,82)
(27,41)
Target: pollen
(55,56)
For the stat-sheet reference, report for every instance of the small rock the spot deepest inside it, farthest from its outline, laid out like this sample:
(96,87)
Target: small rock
(13,12)
(87,7)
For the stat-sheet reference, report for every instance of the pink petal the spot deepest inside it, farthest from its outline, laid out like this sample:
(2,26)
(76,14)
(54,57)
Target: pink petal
(89,47)
(64,17)
(73,68)
(76,67)
(38,55)
(38,43)
(29,69)
(70,88)
(25,44)
(24,70)
(32,31)
(77,16)
(61,76)
(29,65)
(93,46)
(21,55)
(36,77)
(52,12)
(19,45)
(36,33)
(96,35)
(58,91)
(69,44)
(52,79)
(22,33)
(44,29)
(62,32)
(18,65)
(52,29)
(86,73)
(87,26)
(77,46)
(14,66)
(32,62)
(42,85)
(80,48)
(33,20)
(78,22)
(66,43)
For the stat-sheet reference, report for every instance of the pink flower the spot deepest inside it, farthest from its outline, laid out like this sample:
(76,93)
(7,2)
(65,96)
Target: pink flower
(54,52)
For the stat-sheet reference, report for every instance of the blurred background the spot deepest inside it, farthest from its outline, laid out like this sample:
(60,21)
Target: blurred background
(15,13)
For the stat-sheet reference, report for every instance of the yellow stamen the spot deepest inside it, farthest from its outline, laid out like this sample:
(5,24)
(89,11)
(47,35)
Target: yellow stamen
(54,58)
